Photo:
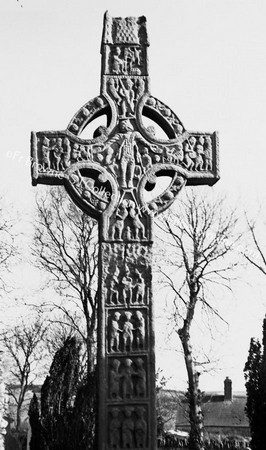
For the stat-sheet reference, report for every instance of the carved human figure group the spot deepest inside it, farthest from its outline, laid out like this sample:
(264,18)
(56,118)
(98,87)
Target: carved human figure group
(128,428)
(126,60)
(127,333)
(125,289)
(127,379)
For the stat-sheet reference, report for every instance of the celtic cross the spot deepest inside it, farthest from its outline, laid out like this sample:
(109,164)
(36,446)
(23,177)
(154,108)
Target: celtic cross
(112,177)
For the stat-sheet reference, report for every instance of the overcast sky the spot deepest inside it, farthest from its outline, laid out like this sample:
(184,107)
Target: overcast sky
(207,63)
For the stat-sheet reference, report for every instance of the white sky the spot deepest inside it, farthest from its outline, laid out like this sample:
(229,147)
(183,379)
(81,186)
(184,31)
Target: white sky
(207,63)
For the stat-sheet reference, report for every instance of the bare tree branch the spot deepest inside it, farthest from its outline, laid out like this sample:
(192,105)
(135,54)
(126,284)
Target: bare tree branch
(200,238)
(65,247)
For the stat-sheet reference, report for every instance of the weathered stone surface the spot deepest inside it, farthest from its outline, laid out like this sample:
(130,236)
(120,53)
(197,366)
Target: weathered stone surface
(109,177)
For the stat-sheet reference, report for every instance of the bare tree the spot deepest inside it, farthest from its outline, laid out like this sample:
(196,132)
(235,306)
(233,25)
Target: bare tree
(23,347)
(65,246)
(200,233)
(7,242)
(255,253)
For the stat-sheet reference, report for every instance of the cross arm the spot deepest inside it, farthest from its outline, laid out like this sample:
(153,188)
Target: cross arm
(53,152)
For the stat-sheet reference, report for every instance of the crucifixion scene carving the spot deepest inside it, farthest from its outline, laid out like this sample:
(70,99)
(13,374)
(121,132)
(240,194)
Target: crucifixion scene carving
(111,177)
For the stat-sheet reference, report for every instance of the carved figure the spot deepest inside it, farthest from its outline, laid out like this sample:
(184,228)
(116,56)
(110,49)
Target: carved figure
(114,287)
(128,96)
(114,428)
(140,87)
(199,153)
(109,154)
(57,151)
(179,153)
(121,214)
(189,155)
(84,152)
(140,330)
(66,154)
(113,88)
(114,332)
(137,55)
(146,160)
(127,429)
(128,153)
(114,377)
(137,225)
(127,286)
(117,62)
(127,382)
(139,288)
(175,154)
(128,332)
(45,151)
(140,428)
(129,59)
(140,378)
(208,153)
(75,154)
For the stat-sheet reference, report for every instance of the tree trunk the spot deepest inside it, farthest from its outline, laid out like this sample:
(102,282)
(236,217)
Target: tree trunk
(18,416)
(194,394)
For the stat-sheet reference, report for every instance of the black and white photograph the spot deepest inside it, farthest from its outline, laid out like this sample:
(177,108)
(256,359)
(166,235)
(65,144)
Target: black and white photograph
(132,225)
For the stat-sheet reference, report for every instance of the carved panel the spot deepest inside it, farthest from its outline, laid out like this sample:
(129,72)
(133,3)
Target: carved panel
(127,274)
(126,60)
(128,427)
(128,30)
(127,379)
(127,331)
(125,92)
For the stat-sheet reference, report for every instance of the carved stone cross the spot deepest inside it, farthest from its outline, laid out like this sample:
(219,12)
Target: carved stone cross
(111,177)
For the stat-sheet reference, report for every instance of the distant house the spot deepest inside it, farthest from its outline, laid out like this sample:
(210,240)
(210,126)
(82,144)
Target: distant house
(224,413)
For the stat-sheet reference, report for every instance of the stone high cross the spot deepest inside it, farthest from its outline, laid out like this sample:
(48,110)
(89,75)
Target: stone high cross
(109,177)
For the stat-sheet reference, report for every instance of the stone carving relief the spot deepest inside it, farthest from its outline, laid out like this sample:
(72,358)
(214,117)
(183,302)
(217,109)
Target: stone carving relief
(129,30)
(58,153)
(125,91)
(162,201)
(124,285)
(115,428)
(127,223)
(128,427)
(129,155)
(126,30)
(127,331)
(167,113)
(126,60)
(194,154)
(55,154)
(125,289)
(83,116)
(127,379)
(95,194)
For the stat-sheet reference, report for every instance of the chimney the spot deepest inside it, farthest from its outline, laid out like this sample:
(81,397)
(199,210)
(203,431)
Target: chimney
(227,390)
